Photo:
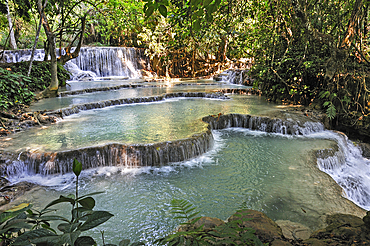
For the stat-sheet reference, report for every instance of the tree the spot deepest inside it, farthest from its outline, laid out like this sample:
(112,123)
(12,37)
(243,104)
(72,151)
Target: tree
(67,28)
(13,44)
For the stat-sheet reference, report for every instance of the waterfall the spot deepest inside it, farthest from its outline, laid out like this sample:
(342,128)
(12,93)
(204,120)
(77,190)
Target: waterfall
(265,124)
(234,76)
(112,61)
(349,169)
(93,62)
(112,154)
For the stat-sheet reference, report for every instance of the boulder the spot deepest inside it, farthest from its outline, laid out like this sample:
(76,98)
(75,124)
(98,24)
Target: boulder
(266,229)
(207,222)
(294,230)
(365,147)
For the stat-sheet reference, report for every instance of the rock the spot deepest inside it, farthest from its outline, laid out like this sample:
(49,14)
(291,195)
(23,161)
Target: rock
(366,220)
(266,229)
(342,229)
(365,147)
(278,242)
(207,222)
(314,242)
(344,219)
(294,230)
(10,192)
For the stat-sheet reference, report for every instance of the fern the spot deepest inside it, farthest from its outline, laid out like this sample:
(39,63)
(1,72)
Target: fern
(184,210)
(331,111)
(231,233)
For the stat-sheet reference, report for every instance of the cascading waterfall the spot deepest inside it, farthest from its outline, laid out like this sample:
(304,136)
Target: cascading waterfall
(93,62)
(112,61)
(114,154)
(349,169)
(234,76)
(157,154)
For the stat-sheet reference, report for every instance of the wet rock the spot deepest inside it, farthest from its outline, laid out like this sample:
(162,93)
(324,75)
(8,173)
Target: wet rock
(208,224)
(266,229)
(365,147)
(9,192)
(366,220)
(294,230)
(342,229)
(278,242)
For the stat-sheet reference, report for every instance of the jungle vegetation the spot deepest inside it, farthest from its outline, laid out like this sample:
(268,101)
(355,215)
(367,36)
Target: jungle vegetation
(313,52)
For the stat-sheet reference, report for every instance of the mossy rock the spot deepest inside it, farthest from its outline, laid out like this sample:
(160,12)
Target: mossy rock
(266,229)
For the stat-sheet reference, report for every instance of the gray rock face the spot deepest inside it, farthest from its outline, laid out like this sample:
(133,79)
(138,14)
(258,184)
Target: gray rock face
(365,147)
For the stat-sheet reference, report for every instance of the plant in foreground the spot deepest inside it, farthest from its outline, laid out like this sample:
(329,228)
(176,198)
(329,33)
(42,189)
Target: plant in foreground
(231,233)
(40,233)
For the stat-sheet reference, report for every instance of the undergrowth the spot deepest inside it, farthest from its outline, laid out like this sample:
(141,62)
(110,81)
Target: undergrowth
(17,89)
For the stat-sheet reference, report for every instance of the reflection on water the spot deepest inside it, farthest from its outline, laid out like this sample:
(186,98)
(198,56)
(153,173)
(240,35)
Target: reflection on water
(271,173)
(247,169)
(135,123)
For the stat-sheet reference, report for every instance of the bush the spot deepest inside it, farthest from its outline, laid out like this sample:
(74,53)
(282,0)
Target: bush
(17,89)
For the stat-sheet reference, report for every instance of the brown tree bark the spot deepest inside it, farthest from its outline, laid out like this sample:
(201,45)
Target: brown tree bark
(71,55)
(54,85)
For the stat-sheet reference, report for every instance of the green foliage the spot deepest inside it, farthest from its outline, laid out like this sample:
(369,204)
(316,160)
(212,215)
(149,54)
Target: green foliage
(13,221)
(231,233)
(83,219)
(14,89)
(234,233)
(17,89)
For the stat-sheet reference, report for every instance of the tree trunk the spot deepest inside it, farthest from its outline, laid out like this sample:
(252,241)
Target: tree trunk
(13,44)
(70,55)
(35,44)
(54,85)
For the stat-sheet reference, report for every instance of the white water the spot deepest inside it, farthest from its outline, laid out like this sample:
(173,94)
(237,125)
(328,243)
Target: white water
(93,62)
(349,169)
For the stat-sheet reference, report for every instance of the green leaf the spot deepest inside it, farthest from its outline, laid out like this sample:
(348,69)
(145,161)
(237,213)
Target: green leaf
(81,213)
(52,217)
(77,167)
(70,238)
(163,10)
(30,236)
(95,219)
(149,11)
(206,2)
(196,25)
(87,202)
(61,199)
(11,213)
(91,194)
(331,111)
(85,241)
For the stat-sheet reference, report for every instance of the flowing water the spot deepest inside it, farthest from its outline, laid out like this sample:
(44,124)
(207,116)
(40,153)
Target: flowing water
(284,176)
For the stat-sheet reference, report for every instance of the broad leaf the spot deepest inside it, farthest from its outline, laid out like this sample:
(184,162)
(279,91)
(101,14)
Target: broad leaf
(85,241)
(163,10)
(11,213)
(29,236)
(95,219)
(81,213)
(149,11)
(70,238)
(22,206)
(88,202)
(91,194)
(61,199)
(52,217)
